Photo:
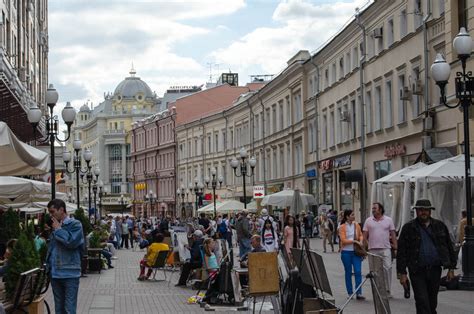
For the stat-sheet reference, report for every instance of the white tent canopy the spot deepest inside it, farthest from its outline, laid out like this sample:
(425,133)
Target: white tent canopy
(13,187)
(451,169)
(223,207)
(397,176)
(285,198)
(18,158)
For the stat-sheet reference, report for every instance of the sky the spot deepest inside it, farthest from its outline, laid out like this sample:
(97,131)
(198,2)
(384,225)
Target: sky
(93,43)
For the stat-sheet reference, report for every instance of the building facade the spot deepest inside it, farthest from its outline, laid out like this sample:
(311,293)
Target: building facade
(23,62)
(104,130)
(153,165)
(361,107)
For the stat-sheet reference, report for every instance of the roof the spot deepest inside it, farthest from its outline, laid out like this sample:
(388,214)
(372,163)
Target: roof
(201,104)
(131,86)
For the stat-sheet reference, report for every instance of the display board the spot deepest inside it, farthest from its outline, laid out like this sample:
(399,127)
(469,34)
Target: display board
(264,278)
(378,289)
(317,279)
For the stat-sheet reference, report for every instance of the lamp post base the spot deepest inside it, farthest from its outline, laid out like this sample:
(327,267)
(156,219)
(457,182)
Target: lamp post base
(466,282)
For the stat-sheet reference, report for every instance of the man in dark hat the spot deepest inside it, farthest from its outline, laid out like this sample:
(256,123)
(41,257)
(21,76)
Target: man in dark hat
(424,246)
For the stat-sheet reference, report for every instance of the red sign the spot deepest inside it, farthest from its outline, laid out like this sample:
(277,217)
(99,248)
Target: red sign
(394,150)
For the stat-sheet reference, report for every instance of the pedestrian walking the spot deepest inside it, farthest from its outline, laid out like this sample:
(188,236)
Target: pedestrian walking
(243,233)
(130,224)
(125,234)
(327,227)
(63,259)
(118,231)
(424,246)
(350,233)
(290,234)
(379,232)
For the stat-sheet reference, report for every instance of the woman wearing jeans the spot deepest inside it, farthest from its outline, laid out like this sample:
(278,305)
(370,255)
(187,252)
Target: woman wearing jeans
(350,233)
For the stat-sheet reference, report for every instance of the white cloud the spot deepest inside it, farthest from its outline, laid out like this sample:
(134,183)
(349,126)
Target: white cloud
(303,25)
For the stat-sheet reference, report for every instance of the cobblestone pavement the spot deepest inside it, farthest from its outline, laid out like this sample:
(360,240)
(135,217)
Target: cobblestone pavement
(118,291)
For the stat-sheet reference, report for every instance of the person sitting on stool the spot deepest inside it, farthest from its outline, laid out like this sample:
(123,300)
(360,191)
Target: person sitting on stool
(196,258)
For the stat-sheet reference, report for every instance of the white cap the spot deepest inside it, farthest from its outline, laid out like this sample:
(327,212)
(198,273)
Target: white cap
(264,212)
(198,233)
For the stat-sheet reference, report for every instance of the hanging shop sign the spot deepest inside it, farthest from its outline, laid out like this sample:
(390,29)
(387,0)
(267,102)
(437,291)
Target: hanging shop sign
(394,150)
(338,162)
(311,173)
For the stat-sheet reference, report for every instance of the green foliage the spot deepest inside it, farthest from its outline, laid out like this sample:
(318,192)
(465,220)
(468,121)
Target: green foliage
(95,240)
(86,224)
(24,258)
(9,225)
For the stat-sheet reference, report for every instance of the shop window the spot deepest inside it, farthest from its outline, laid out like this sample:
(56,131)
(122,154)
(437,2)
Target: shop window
(327,188)
(382,168)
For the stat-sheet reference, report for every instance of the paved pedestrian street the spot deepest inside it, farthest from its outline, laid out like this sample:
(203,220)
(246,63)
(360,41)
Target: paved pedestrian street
(118,291)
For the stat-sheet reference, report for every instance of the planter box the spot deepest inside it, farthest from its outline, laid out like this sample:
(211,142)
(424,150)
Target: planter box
(37,306)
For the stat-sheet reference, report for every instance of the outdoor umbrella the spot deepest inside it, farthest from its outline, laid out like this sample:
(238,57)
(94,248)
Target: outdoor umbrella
(397,176)
(18,158)
(296,203)
(14,187)
(285,199)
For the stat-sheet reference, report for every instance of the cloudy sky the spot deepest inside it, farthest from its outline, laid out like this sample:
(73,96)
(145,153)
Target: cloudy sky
(180,42)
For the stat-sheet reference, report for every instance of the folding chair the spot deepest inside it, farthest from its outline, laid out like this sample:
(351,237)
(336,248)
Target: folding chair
(160,264)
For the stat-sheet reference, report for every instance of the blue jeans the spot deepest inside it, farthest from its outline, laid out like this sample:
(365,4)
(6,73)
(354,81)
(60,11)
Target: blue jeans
(65,295)
(244,246)
(349,259)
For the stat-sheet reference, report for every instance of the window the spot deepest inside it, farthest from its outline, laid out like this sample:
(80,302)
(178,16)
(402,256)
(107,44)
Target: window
(353,119)
(324,131)
(256,123)
(388,104)
(299,158)
(378,109)
(216,142)
(288,111)
(390,33)
(403,23)
(288,160)
(355,57)
(281,114)
(341,67)
(415,102)
(417,13)
(382,168)
(326,77)
(274,165)
(339,134)
(209,144)
(463,13)
(402,109)
(310,138)
(268,121)
(332,129)
(231,140)
(368,112)
(345,123)
(333,74)
(370,47)
(297,106)
(347,65)
(281,163)
(274,119)
(441,6)
(115,167)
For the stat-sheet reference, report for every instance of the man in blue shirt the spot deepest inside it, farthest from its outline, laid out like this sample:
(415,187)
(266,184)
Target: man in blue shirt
(64,257)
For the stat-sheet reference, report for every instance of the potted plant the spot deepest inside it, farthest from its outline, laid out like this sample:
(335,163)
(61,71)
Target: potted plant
(9,228)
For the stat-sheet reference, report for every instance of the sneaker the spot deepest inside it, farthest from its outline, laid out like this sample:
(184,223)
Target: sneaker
(110,266)
(360,297)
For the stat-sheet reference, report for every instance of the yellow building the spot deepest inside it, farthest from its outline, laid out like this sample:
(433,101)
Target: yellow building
(104,130)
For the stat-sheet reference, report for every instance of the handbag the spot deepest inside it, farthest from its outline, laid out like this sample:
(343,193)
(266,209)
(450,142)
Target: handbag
(358,249)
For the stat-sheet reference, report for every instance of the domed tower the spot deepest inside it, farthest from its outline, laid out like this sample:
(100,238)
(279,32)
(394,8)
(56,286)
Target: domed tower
(133,94)
(84,114)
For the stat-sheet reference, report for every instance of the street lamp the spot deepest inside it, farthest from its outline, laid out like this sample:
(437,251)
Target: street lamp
(77,166)
(122,203)
(464,83)
(150,197)
(52,127)
(101,195)
(94,190)
(214,181)
(252,162)
(182,192)
(198,190)
(91,176)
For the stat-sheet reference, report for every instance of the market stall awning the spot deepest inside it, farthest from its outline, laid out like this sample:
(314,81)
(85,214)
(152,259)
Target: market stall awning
(18,158)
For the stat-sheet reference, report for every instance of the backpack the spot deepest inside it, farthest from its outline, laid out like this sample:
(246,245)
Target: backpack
(222,229)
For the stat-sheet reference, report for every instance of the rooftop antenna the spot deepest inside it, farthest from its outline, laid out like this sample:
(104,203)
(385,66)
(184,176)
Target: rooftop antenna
(132,71)
(210,71)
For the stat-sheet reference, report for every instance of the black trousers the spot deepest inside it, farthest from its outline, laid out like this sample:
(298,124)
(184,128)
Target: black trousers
(124,240)
(425,282)
(185,271)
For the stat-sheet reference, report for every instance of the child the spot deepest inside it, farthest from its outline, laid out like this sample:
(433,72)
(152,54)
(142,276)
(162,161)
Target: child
(269,236)
(210,259)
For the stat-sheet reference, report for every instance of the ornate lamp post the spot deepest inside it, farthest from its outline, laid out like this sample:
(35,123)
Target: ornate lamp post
(52,127)
(77,166)
(252,162)
(181,192)
(214,181)
(101,194)
(94,190)
(91,176)
(198,190)
(151,198)
(464,82)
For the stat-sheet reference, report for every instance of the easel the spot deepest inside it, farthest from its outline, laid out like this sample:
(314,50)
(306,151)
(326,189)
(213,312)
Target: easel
(380,300)
(316,281)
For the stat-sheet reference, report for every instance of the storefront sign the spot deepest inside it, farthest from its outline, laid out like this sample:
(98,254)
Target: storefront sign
(311,173)
(258,191)
(338,162)
(394,150)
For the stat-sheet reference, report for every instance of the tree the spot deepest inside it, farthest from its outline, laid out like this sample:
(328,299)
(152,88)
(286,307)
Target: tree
(24,258)
(86,224)
(9,225)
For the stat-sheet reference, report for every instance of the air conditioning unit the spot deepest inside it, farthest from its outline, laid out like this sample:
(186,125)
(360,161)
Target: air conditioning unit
(418,88)
(378,32)
(405,93)
(345,117)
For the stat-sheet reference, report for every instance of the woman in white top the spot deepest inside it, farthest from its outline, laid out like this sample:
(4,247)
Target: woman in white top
(269,237)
